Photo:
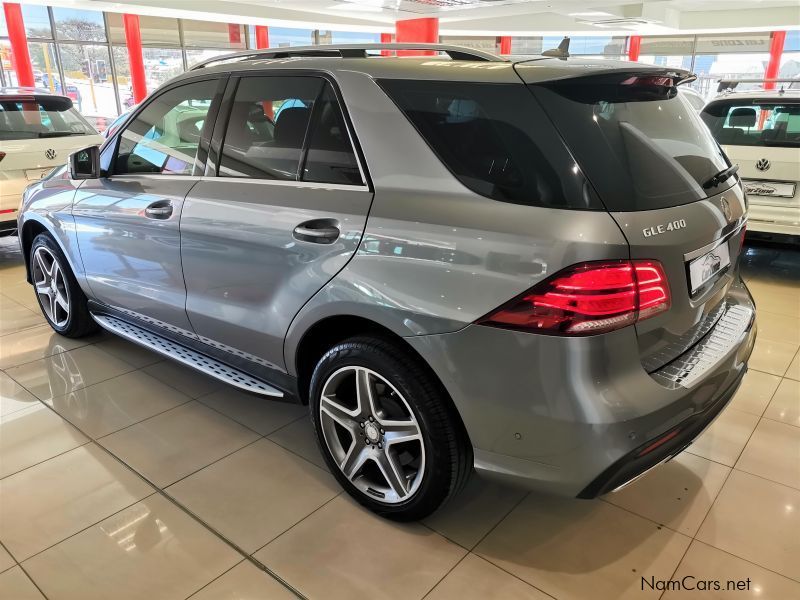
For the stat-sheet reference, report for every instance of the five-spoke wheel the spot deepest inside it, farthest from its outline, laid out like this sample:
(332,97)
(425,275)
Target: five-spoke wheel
(51,286)
(387,428)
(372,434)
(61,299)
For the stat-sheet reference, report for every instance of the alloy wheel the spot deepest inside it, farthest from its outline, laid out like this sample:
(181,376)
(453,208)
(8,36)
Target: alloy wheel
(51,287)
(372,434)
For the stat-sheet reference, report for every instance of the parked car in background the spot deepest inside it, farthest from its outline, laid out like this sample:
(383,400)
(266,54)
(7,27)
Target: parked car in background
(527,268)
(98,122)
(72,92)
(760,131)
(38,131)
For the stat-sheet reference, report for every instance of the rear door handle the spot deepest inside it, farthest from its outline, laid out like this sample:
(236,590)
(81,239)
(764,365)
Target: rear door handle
(158,210)
(318,231)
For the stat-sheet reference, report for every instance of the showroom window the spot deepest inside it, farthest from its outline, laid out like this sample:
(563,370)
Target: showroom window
(281,37)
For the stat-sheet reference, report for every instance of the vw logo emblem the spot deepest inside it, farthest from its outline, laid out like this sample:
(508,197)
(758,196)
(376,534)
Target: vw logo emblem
(50,153)
(726,208)
(763,165)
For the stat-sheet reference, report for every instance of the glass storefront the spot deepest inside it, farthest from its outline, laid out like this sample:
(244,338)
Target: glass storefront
(82,53)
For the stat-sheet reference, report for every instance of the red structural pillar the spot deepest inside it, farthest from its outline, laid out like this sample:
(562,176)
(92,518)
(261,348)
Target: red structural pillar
(386,38)
(19,44)
(505,44)
(774,64)
(634,46)
(425,30)
(133,40)
(262,36)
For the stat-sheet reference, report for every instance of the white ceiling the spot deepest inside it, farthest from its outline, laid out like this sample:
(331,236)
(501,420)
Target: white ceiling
(479,17)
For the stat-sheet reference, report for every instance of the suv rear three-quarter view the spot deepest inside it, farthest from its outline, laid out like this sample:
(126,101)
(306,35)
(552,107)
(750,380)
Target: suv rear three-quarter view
(459,262)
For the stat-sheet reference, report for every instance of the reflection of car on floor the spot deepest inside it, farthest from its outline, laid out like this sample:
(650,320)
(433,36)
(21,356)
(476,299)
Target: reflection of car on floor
(760,130)
(38,131)
(500,288)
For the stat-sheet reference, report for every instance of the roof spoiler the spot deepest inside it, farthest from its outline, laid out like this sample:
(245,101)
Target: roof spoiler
(730,84)
(561,52)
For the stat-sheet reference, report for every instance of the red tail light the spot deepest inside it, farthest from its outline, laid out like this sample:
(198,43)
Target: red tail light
(588,298)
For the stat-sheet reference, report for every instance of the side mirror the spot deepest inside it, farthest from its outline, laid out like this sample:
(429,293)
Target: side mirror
(85,164)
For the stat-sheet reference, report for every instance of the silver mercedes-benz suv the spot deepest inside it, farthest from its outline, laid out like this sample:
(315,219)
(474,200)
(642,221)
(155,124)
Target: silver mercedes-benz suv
(526,268)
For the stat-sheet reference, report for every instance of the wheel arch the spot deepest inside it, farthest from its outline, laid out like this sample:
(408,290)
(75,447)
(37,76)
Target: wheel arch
(327,332)
(30,230)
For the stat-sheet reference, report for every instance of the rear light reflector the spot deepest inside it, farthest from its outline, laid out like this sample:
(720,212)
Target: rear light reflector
(660,441)
(5,211)
(588,298)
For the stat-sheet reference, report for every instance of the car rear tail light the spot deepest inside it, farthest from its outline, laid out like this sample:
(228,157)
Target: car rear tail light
(588,298)
(649,80)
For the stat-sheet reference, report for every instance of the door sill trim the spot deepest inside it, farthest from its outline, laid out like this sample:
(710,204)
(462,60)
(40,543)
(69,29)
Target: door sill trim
(182,354)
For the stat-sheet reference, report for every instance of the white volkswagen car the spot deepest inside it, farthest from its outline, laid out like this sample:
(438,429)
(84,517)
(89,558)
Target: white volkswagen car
(38,131)
(760,131)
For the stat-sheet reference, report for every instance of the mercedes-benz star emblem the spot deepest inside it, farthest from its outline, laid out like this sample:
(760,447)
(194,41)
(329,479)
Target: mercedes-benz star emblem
(763,165)
(726,208)
(50,153)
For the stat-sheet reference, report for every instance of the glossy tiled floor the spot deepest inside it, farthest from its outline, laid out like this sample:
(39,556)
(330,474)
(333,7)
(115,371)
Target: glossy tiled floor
(124,476)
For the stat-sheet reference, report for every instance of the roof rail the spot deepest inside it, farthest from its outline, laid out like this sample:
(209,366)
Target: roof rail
(730,84)
(349,51)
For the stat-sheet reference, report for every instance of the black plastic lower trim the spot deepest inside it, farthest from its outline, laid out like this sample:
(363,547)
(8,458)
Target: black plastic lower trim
(632,465)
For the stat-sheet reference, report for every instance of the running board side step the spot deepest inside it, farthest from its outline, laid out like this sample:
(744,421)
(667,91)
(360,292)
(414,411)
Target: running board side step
(186,356)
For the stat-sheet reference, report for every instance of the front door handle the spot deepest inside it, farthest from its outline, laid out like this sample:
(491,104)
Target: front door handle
(159,210)
(319,231)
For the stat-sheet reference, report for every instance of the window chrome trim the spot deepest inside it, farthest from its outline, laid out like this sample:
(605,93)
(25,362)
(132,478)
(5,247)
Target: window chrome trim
(289,183)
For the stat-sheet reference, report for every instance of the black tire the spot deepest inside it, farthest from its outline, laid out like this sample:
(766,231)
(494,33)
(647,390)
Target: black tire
(448,453)
(80,322)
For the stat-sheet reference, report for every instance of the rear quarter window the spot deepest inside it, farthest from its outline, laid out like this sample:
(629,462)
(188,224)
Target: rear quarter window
(495,140)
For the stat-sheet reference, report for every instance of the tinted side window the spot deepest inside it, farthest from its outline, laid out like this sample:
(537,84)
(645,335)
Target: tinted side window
(495,140)
(164,137)
(330,158)
(267,127)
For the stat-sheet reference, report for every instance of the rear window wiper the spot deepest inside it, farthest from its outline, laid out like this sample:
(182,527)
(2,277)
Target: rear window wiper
(715,180)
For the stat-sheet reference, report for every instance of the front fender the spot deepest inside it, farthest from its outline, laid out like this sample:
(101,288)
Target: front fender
(47,206)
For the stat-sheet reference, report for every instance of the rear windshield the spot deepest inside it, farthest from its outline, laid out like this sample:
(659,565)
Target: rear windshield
(495,140)
(754,123)
(23,118)
(639,142)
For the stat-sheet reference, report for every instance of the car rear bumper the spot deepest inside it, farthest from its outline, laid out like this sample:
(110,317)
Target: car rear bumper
(782,220)
(572,415)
